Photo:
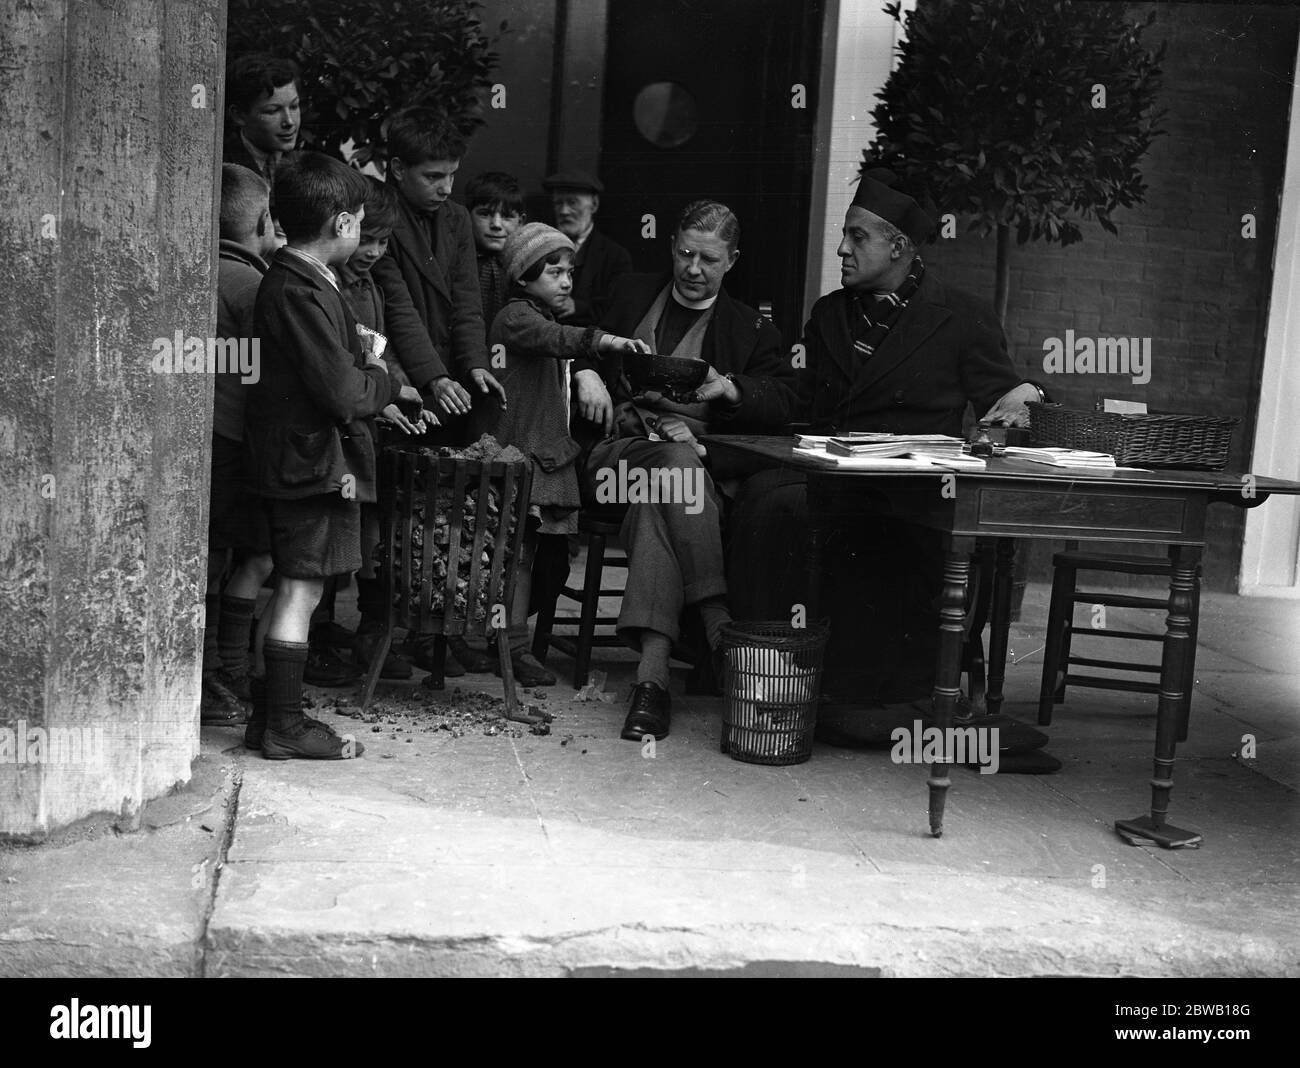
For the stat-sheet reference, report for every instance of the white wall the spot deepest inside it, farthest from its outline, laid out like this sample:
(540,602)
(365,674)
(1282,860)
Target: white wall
(857,55)
(1270,559)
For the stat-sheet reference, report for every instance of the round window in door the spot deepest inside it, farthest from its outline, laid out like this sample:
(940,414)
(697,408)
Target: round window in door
(664,113)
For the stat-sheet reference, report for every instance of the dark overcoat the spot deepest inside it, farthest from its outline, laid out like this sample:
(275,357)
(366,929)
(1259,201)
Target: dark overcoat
(443,286)
(738,341)
(599,264)
(305,420)
(946,348)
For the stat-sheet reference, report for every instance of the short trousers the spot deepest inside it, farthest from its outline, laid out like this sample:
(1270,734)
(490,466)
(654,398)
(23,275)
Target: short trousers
(315,537)
(236,519)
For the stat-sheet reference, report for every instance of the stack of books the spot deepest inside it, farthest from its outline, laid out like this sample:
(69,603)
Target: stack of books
(1098,461)
(888,451)
(895,445)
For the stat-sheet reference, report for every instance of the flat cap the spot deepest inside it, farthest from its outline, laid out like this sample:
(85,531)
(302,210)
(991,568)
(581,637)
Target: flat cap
(580,180)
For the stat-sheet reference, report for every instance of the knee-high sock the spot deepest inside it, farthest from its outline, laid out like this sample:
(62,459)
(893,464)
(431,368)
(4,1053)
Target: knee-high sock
(211,644)
(285,662)
(233,632)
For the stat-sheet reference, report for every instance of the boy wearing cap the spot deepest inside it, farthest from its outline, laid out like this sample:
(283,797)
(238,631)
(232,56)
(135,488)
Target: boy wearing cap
(538,261)
(598,261)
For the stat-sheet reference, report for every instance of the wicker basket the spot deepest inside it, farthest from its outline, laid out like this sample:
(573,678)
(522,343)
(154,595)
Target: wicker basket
(773,679)
(1190,441)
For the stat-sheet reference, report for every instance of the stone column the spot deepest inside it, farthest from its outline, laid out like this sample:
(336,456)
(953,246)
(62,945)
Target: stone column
(107,242)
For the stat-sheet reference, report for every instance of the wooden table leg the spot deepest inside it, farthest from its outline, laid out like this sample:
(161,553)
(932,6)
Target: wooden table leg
(817,507)
(1169,709)
(997,663)
(947,682)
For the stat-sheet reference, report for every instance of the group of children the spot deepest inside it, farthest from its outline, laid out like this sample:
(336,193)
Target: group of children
(370,301)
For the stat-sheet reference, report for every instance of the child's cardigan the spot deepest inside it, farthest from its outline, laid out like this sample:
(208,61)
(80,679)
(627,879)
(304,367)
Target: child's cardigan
(536,420)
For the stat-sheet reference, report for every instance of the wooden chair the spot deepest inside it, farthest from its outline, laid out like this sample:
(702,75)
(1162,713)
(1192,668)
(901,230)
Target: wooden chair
(600,525)
(1059,655)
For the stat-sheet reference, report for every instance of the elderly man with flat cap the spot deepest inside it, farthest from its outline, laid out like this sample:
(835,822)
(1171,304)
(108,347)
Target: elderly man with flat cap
(599,261)
(894,350)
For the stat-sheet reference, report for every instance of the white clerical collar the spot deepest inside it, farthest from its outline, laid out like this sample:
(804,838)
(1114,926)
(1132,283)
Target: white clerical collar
(694,305)
(314,262)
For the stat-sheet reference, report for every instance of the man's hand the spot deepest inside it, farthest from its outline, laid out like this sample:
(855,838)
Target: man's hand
(716,387)
(1009,409)
(485,383)
(594,401)
(672,429)
(450,395)
(659,403)
(411,395)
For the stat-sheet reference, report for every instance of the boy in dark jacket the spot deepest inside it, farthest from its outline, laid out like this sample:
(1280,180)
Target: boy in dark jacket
(236,527)
(432,247)
(313,456)
(387,310)
(496,210)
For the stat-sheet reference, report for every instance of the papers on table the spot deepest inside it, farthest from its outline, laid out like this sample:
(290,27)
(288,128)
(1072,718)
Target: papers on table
(895,445)
(867,463)
(1124,407)
(1063,457)
(888,452)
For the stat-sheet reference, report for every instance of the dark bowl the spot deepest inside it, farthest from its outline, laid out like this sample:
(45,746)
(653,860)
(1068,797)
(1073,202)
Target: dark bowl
(674,376)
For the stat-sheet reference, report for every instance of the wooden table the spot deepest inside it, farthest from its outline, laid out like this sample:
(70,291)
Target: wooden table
(1013,499)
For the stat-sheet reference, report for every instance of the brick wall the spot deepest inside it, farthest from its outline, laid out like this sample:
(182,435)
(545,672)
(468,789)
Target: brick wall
(1179,271)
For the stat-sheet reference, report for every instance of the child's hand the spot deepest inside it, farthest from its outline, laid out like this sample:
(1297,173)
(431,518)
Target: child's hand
(411,395)
(486,383)
(393,414)
(633,344)
(594,402)
(428,419)
(450,395)
(564,306)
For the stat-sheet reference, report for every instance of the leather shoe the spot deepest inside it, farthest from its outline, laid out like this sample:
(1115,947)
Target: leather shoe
(648,712)
(419,650)
(471,659)
(366,643)
(325,668)
(527,670)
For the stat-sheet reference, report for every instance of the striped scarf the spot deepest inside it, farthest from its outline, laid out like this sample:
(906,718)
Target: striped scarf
(872,325)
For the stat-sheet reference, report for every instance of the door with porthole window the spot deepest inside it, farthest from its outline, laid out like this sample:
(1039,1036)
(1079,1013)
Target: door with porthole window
(714,98)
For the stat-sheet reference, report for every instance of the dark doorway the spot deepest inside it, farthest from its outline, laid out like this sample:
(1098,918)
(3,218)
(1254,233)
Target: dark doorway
(699,102)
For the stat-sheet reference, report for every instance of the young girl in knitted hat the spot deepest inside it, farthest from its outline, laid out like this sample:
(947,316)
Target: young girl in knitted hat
(538,261)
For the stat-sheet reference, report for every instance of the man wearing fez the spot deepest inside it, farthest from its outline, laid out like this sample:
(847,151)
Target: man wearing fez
(599,261)
(894,350)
